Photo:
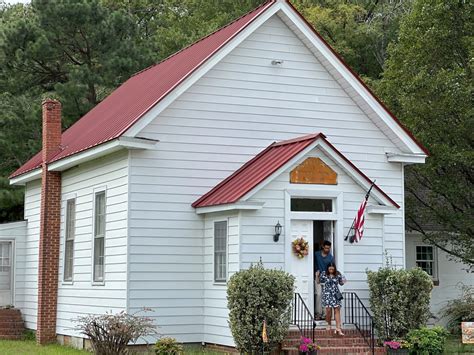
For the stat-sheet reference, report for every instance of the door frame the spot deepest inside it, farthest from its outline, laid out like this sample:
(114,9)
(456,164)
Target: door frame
(337,215)
(12,269)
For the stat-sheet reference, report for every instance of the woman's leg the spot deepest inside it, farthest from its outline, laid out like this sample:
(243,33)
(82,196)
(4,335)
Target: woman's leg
(337,315)
(329,316)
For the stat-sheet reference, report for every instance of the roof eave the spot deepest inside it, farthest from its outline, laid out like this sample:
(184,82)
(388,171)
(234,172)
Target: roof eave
(85,156)
(242,205)
(29,176)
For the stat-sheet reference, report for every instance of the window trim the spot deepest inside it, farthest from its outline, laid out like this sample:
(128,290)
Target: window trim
(332,199)
(66,216)
(434,277)
(220,282)
(96,191)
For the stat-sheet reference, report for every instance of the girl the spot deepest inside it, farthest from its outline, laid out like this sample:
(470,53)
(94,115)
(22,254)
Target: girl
(331,279)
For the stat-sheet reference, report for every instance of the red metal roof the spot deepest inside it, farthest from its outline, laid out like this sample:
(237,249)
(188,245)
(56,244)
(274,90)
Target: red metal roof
(128,103)
(262,166)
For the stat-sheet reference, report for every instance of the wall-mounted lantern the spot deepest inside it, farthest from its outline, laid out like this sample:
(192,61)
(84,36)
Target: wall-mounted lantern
(276,236)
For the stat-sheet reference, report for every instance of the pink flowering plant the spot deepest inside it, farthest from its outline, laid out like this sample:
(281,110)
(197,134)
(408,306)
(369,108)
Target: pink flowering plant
(396,344)
(393,344)
(307,345)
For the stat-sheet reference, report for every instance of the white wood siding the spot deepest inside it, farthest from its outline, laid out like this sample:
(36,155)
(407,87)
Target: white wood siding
(237,109)
(26,283)
(82,297)
(216,314)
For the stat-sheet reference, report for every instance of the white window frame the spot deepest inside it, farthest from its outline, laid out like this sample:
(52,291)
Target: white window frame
(220,282)
(96,191)
(435,259)
(66,216)
(12,268)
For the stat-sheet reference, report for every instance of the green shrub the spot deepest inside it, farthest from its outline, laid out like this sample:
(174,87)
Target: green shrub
(399,300)
(29,334)
(168,346)
(427,341)
(460,310)
(254,296)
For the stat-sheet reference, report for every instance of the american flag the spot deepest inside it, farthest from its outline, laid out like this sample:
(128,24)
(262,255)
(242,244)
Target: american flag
(359,221)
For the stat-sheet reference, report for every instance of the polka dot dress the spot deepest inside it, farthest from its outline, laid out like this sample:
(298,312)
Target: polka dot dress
(330,288)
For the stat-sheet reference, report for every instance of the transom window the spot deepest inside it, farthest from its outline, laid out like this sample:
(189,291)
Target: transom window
(99,237)
(220,251)
(425,259)
(69,239)
(311,205)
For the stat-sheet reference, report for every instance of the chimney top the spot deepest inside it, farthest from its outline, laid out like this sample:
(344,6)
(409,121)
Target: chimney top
(51,128)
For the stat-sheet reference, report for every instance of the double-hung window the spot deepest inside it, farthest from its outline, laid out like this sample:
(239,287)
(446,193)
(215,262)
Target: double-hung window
(99,237)
(70,232)
(220,251)
(426,259)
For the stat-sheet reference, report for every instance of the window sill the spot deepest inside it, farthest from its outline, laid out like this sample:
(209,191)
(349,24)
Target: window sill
(220,283)
(67,283)
(98,283)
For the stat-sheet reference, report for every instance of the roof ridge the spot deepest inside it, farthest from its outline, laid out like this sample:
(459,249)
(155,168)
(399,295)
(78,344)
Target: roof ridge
(299,139)
(202,38)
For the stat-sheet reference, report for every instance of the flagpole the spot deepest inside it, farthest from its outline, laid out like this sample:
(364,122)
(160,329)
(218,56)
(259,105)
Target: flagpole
(367,195)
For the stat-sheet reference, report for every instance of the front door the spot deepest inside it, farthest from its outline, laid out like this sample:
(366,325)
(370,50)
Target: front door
(302,269)
(6,271)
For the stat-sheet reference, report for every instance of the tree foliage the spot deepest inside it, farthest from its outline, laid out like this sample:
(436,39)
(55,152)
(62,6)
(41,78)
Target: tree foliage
(428,82)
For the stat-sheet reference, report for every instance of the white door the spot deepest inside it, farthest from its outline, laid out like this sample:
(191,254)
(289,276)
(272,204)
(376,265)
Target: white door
(302,269)
(6,273)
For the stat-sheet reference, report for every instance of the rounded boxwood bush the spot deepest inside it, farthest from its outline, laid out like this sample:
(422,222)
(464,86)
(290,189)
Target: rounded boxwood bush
(399,300)
(256,295)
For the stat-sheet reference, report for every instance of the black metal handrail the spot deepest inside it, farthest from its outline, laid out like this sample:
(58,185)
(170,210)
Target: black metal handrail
(302,317)
(357,314)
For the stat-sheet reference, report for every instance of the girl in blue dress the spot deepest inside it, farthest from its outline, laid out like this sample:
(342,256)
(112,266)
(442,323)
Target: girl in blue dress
(332,279)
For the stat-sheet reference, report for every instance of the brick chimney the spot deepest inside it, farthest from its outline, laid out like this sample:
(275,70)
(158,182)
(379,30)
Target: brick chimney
(48,264)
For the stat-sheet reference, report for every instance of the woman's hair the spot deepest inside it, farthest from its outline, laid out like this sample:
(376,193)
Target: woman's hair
(335,269)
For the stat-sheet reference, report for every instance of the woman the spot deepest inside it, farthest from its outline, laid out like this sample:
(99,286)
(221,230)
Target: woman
(331,279)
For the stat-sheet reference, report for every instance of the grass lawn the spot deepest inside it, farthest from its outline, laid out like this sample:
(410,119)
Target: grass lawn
(454,346)
(29,347)
(23,347)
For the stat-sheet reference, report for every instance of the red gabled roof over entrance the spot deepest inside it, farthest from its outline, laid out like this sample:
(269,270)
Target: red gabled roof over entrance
(111,118)
(263,165)
(127,104)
